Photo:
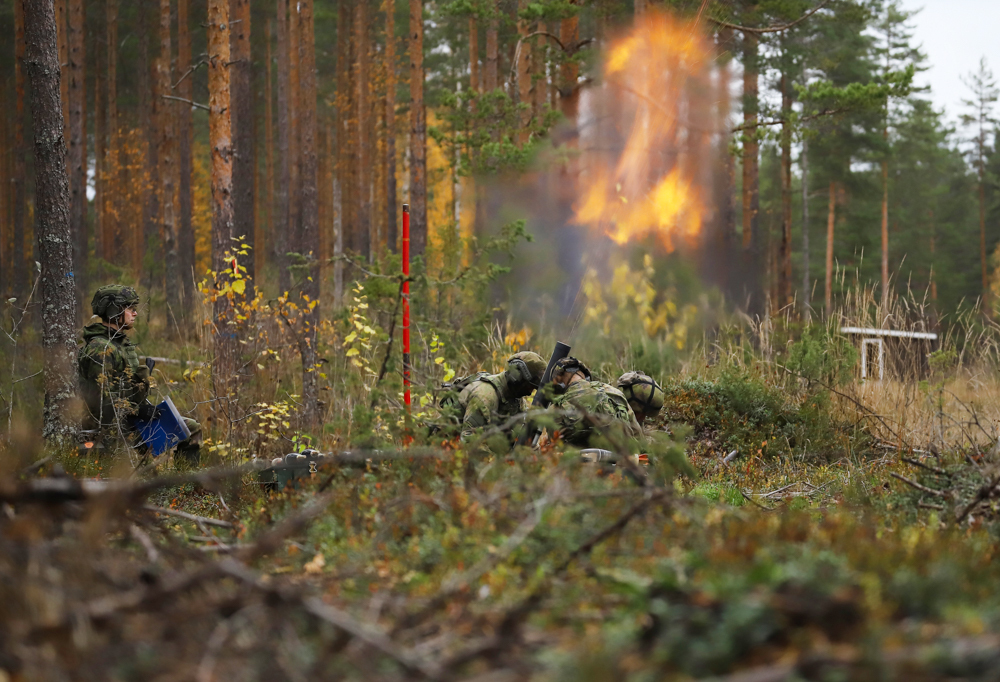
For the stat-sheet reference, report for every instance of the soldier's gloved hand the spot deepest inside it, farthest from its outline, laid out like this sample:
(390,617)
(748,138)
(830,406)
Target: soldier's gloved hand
(146,411)
(142,373)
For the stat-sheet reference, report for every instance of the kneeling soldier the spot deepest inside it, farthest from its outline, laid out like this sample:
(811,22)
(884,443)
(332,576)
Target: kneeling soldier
(114,384)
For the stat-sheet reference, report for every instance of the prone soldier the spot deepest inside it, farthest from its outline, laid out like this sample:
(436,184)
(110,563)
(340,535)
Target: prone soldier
(492,397)
(114,384)
(644,395)
(582,405)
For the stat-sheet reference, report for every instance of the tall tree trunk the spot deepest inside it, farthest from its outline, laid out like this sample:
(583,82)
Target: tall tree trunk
(149,106)
(523,88)
(281,195)
(806,278)
(538,65)
(362,113)
(391,233)
(295,136)
(751,197)
(785,265)
(492,63)
(569,70)
(168,170)
(185,227)
(269,146)
(61,31)
(310,209)
(6,248)
(20,255)
(830,217)
(112,171)
(418,132)
(107,245)
(473,55)
(727,181)
(933,276)
(77,127)
(242,118)
(347,126)
(982,237)
(52,219)
(220,142)
(885,226)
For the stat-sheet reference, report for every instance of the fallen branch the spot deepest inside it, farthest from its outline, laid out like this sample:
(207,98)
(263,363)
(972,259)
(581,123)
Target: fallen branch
(190,517)
(921,488)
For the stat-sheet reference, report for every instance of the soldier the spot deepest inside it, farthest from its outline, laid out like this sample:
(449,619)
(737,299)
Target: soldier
(114,384)
(644,395)
(496,396)
(585,408)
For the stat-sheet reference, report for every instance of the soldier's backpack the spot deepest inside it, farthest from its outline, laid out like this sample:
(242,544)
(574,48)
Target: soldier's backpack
(450,391)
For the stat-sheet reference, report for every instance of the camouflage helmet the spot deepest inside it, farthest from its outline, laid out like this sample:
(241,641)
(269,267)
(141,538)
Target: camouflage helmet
(643,394)
(571,365)
(525,367)
(111,300)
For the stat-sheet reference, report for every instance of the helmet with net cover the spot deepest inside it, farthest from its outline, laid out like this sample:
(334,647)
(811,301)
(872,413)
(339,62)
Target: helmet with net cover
(112,300)
(525,368)
(643,394)
(569,366)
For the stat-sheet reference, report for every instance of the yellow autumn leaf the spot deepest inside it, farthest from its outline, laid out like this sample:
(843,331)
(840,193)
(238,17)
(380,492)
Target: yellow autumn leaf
(352,352)
(239,286)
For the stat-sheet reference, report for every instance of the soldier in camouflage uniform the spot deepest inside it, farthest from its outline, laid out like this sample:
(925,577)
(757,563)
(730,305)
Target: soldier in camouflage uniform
(586,408)
(114,383)
(644,395)
(495,397)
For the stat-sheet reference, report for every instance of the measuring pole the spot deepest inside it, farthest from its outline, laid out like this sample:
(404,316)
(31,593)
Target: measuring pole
(406,306)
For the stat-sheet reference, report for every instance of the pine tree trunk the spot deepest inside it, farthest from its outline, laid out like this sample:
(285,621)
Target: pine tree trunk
(310,209)
(149,106)
(806,278)
(541,85)
(830,217)
(347,127)
(569,71)
(885,228)
(295,136)
(6,248)
(933,274)
(281,195)
(523,88)
(110,139)
(107,246)
(185,227)
(751,197)
(785,265)
(61,31)
(168,171)
(19,273)
(391,234)
(492,63)
(982,239)
(727,181)
(269,146)
(473,55)
(52,201)
(418,132)
(243,146)
(220,142)
(340,145)
(77,91)
(364,188)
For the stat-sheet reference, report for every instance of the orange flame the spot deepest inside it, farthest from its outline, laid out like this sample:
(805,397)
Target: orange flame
(651,76)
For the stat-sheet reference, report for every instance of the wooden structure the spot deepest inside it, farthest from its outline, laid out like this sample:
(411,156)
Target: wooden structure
(893,352)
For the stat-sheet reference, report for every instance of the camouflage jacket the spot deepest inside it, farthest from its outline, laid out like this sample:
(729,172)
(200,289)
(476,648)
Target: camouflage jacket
(483,401)
(112,380)
(586,405)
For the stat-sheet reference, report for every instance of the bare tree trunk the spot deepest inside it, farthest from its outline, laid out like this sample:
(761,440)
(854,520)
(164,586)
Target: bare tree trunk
(185,230)
(492,63)
(167,171)
(310,213)
(473,55)
(885,226)
(538,63)
(269,145)
(295,136)
(569,72)
(112,171)
(391,234)
(242,118)
(523,88)
(727,181)
(785,266)
(149,107)
(982,236)
(364,188)
(106,245)
(280,220)
(77,90)
(52,215)
(220,142)
(933,275)
(61,31)
(418,132)
(830,217)
(751,197)
(19,274)
(806,278)
(347,126)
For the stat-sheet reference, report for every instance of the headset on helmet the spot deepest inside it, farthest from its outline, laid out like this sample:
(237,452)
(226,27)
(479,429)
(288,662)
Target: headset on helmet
(571,365)
(526,367)
(112,300)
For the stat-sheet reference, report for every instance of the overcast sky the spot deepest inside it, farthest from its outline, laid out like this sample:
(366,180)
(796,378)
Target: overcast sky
(955,34)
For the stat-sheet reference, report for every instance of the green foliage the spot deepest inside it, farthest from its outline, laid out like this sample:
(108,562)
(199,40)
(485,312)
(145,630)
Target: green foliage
(821,356)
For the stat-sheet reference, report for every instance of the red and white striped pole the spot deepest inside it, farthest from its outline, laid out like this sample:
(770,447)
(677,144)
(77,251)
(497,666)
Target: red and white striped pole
(406,306)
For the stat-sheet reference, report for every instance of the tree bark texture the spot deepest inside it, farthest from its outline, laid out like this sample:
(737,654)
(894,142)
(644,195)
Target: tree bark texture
(830,218)
(785,264)
(185,131)
(243,147)
(982,235)
(148,255)
(111,168)
(220,141)
(885,227)
(362,113)
(52,201)
(806,278)
(77,91)
(281,194)
(310,210)
(523,66)
(19,282)
(269,146)
(295,136)
(391,233)
(60,6)
(540,78)
(492,63)
(167,154)
(751,177)
(418,132)
(569,71)
(347,126)
(473,55)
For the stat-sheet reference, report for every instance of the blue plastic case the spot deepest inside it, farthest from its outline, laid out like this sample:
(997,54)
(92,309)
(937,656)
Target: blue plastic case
(165,430)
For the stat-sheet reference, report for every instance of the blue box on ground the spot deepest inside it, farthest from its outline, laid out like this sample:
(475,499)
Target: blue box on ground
(165,430)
